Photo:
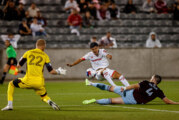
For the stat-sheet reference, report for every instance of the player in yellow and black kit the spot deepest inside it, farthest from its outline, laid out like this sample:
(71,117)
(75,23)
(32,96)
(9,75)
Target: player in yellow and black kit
(36,59)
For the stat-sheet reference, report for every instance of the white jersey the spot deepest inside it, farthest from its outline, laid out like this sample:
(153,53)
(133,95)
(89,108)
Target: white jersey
(99,61)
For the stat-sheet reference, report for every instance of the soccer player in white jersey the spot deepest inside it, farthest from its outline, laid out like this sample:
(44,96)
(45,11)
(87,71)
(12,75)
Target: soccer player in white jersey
(99,61)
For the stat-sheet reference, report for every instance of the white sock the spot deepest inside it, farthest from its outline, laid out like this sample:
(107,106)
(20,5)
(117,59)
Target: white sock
(124,81)
(10,103)
(48,101)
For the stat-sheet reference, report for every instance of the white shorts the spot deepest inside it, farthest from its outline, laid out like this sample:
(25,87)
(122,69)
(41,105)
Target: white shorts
(107,71)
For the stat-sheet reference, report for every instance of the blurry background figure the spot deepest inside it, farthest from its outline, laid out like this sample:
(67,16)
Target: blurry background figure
(41,20)
(70,5)
(148,6)
(13,39)
(107,41)
(21,11)
(37,29)
(161,6)
(33,10)
(130,7)
(75,21)
(83,6)
(114,11)
(24,28)
(176,10)
(93,39)
(88,20)
(28,18)
(103,13)
(92,9)
(153,41)
(10,11)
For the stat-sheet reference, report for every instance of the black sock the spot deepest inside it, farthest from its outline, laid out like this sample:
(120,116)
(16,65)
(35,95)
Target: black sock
(3,78)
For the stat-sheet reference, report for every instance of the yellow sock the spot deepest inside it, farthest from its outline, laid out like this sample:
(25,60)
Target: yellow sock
(10,91)
(46,98)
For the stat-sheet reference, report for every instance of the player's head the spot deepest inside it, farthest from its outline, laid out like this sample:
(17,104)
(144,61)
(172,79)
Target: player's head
(41,44)
(108,34)
(156,79)
(94,47)
(7,43)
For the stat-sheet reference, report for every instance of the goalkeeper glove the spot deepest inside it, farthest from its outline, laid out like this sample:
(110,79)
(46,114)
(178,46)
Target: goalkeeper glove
(61,71)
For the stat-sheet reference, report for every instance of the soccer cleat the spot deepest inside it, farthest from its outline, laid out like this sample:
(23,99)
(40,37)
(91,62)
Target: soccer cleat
(54,105)
(7,108)
(85,102)
(87,82)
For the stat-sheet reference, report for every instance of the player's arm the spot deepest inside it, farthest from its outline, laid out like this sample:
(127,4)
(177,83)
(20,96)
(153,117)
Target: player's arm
(76,62)
(22,61)
(168,101)
(52,71)
(134,86)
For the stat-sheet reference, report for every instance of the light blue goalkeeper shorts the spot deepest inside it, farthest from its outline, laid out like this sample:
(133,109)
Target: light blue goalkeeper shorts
(127,96)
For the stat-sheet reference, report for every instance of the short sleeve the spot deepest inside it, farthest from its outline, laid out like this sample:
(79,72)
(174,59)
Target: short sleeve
(86,57)
(160,94)
(104,52)
(47,59)
(25,55)
(143,84)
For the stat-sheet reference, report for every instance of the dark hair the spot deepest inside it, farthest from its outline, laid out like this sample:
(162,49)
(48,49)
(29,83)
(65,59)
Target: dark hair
(158,78)
(93,44)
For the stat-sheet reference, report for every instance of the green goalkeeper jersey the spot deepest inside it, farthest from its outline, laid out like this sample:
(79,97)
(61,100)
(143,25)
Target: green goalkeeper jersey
(11,53)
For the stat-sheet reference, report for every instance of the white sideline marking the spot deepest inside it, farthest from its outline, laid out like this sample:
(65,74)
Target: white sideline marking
(102,105)
(143,109)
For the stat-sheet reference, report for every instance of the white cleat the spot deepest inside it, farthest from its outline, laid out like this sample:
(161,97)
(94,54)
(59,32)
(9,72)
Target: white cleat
(87,82)
(54,105)
(7,108)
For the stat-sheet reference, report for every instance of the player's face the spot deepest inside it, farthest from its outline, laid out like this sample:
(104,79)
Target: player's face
(152,79)
(95,50)
(7,43)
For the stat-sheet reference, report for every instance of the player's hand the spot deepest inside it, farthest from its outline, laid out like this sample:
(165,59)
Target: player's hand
(123,89)
(61,71)
(69,65)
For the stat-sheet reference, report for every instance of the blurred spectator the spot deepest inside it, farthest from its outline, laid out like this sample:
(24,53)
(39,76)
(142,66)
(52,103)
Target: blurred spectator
(88,20)
(28,18)
(176,12)
(103,13)
(92,9)
(21,2)
(4,2)
(41,19)
(152,41)
(130,7)
(1,14)
(114,11)
(12,38)
(93,39)
(21,11)
(74,21)
(24,28)
(37,29)
(33,10)
(96,4)
(148,6)
(83,6)
(70,5)
(108,41)
(10,11)
(161,6)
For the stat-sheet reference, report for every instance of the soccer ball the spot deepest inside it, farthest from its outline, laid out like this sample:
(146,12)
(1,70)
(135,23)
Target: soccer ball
(90,73)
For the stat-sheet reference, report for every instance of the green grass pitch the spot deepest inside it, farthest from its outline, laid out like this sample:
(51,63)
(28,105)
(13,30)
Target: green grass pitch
(69,96)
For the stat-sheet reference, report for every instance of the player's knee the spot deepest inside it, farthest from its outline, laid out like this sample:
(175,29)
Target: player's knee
(16,82)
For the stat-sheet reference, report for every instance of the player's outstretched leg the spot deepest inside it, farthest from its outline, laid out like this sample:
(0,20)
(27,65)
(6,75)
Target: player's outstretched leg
(101,101)
(10,97)
(117,75)
(47,99)
(98,85)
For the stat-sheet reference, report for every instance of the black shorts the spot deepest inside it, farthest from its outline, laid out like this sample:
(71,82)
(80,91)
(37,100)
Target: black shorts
(14,61)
